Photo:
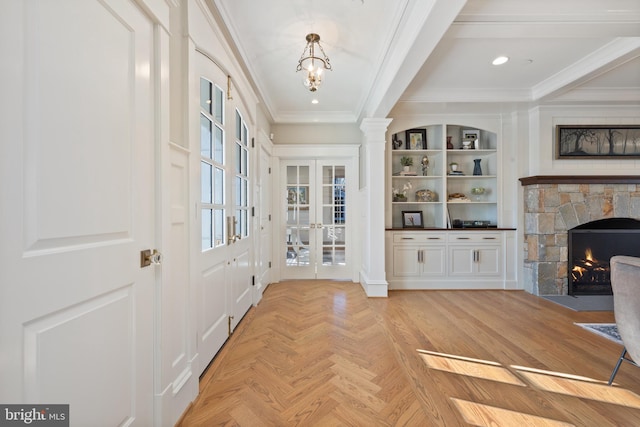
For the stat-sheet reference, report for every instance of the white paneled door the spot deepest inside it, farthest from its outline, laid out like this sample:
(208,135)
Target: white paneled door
(316,239)
(77,208)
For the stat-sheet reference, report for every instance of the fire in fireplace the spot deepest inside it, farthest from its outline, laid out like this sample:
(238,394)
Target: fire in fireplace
(592,245)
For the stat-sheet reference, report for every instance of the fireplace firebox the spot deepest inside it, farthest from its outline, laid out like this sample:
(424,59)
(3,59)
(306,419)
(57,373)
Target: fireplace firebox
(592,245)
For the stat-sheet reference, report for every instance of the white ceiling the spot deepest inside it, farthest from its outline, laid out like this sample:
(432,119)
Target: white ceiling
(431,54)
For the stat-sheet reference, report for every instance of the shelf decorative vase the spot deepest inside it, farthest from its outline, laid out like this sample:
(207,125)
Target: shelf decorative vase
(477,169)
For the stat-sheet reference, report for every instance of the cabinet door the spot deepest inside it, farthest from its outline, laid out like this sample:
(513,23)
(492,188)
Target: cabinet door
(461,260)
(474,260)
(433,261)
(488,261)
(406,262)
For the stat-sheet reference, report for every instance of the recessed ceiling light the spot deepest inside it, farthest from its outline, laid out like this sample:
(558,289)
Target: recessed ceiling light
(500,60)
(314,101)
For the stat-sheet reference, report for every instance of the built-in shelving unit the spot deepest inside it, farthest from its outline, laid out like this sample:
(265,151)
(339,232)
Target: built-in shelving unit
(439,178)
(460,244)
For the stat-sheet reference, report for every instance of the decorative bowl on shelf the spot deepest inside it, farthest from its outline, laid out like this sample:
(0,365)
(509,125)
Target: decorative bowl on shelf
(426,196)
(477,192)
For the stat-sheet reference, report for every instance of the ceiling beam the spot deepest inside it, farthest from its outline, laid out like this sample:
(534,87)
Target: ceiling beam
(423,25)
(599,62)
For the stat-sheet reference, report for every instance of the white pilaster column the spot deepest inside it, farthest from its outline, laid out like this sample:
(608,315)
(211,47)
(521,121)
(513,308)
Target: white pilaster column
(372,273)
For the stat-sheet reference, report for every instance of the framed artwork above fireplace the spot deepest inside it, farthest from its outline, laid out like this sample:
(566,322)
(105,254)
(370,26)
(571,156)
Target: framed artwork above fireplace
(597,141)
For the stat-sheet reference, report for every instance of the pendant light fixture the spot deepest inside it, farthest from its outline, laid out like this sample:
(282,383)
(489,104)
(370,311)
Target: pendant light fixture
(312,64)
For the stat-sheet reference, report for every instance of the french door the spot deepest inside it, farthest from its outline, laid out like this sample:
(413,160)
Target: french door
(316,243)
(222,266)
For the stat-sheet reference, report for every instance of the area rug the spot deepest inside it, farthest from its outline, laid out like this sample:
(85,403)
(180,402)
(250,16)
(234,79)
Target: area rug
(607,330)
(583,302)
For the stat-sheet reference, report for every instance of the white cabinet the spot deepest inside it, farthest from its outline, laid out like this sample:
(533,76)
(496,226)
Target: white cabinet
(416,255)
(467,261)
(475,254)
(449,259)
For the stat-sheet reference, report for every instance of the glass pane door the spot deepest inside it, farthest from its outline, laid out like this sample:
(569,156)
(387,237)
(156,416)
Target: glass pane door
(332,225)
(316,243)
(298,244)
(333,215)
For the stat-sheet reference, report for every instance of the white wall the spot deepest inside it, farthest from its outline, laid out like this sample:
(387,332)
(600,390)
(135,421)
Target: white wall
(541,150)
(316,134)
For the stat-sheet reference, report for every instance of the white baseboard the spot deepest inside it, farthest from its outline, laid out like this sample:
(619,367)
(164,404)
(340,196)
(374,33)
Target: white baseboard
(374,288)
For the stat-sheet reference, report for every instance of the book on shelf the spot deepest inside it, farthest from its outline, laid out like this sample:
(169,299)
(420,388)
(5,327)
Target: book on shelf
(404,173)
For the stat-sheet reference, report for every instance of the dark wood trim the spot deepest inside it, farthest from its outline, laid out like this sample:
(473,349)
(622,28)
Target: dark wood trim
(450,229)
(580,179)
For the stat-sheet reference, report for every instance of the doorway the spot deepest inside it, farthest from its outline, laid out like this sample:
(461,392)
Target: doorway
(316,242)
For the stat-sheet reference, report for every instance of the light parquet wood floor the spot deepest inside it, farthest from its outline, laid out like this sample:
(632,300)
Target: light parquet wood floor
(320,353)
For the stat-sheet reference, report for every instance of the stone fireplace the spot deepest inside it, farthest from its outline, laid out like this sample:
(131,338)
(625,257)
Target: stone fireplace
(555,204)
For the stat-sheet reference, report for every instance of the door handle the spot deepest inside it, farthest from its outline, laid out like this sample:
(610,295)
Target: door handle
(149,256)
(231,226)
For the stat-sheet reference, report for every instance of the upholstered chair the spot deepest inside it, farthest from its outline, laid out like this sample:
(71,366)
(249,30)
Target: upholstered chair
(625,281)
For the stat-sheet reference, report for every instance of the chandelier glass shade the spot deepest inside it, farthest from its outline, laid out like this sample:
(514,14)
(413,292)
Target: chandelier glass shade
(312,64)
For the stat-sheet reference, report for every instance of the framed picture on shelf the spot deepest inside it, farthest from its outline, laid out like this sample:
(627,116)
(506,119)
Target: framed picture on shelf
(416,139)
(412,219)
(597,141)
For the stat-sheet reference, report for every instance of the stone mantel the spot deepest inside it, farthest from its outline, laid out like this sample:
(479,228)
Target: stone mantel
(580,179)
